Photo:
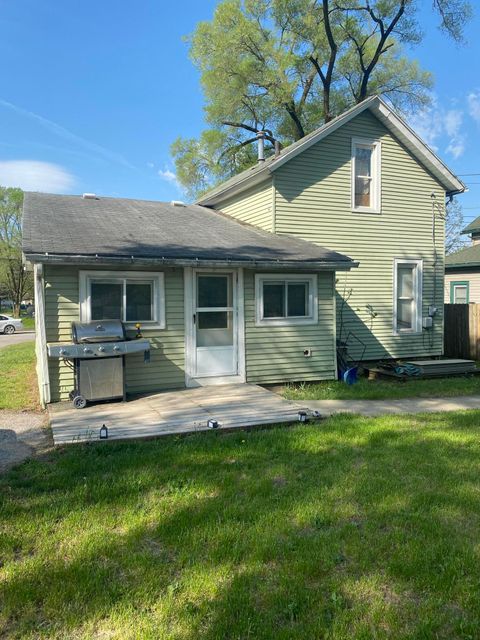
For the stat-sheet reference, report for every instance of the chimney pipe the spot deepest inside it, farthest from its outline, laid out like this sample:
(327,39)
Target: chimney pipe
(261,145)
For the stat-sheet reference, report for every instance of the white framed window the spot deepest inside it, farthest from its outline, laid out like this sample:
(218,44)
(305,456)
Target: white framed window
(130,297)
(282,299)
(407,296)
(366,175)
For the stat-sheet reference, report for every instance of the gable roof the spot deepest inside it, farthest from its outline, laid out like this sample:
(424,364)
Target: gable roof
(473,226)
(468,257)
(80,230)
(380,109)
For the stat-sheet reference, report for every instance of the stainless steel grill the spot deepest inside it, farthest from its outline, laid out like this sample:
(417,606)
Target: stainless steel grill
(97,355)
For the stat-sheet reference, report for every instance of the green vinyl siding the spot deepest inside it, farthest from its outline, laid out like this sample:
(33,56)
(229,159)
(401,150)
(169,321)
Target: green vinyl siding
(313,201)
(254,206)
(166,367)
(275,354)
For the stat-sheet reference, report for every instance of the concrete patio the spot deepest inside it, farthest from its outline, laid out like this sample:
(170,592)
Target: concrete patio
(173,412)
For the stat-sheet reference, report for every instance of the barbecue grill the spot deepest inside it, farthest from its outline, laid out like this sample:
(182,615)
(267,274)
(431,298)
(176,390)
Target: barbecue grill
(97,356)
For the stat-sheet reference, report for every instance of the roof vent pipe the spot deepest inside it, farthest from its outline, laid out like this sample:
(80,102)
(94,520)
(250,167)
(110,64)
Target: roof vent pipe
(89,196)
(261,145)
(277,148)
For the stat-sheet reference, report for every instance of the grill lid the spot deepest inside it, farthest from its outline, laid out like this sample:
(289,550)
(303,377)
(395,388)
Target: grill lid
(98,331)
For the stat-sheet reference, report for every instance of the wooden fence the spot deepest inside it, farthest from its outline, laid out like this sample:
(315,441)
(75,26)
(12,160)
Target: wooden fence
(462,331)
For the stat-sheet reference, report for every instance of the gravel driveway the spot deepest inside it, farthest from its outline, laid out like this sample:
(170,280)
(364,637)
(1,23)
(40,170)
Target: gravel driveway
(21,436)
(16,338)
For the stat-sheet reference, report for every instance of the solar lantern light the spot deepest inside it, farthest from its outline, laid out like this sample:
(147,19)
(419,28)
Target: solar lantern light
(302,416)
(103,432)
(212,424)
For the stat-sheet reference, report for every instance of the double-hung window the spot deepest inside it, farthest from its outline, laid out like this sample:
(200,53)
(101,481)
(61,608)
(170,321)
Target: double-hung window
(407,303)
(459,292)
(286,299)
(366,175)
(129,297)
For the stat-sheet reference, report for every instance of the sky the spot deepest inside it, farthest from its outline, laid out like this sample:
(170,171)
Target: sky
(94,92)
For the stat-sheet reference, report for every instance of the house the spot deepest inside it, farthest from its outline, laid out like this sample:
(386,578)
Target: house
(341,236)
(462,269)
(367,186)
(219,300)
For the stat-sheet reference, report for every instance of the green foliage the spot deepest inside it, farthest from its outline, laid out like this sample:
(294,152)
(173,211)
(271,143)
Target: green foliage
(15,282)
(286,66)
(18,380)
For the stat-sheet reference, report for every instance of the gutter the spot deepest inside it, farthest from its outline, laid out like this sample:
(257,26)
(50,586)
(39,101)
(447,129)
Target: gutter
(276,265)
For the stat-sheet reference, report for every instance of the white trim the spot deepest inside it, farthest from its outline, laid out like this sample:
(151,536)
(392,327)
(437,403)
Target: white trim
(312,318)
(41,336)
(385,114)
(335,360)
(191,379)
(376,177)
(459,286)
(418,296)
(156,277)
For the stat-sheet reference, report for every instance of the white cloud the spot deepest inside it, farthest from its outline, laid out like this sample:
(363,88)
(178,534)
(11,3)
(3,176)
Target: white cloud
(441,128)
(65,134)
(33,175)
(168,175)
(473,101)
(150,165)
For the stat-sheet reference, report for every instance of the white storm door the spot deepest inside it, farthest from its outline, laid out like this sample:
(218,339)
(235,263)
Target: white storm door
(215,324)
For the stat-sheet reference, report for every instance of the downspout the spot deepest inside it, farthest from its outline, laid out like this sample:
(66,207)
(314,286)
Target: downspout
(41,336)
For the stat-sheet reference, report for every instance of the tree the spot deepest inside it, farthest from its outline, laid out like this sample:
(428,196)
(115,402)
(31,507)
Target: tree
(15,282)
(286,66)
(454,225)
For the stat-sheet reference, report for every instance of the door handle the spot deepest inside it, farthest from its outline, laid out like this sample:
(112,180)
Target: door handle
(194,318)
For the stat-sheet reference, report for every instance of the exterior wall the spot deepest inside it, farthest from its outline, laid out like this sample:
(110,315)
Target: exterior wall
(472,276)
(254,206)
(275,354)
(313,201)
(166,367)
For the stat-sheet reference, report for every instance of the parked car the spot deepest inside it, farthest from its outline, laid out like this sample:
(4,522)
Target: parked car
(9,325)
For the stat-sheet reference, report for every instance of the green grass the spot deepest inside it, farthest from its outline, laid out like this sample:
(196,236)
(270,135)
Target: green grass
(384,389)
(350,528)
(18,379)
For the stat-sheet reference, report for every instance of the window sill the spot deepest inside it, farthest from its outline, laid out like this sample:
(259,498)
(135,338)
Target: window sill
(285,322)
(408,332)
(156,326)
(373,210)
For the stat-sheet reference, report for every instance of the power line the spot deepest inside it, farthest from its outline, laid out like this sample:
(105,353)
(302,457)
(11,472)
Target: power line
(460,175)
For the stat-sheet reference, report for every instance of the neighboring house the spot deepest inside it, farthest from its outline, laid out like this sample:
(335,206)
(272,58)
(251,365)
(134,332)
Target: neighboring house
(364,185)
(462,270)
(260,288)
(220,301)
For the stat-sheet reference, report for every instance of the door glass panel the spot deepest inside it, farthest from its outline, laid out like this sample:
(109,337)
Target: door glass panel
(214,291)
(106,300)
(214,329)
(405,314)
(297,299)
(273,299)
(139,302)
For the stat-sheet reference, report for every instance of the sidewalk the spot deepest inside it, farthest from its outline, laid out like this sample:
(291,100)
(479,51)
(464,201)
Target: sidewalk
(382,407)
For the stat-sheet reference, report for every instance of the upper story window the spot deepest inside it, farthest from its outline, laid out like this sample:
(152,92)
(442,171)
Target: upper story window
(129,297)
(286,299)
(365,175)
(459,292)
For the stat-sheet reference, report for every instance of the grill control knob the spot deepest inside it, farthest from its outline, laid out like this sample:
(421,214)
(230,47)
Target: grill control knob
(63,352)
(101,349)
(86,350)
(116,348)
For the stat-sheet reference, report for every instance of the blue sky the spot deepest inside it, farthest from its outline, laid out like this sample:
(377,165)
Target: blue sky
(93,93)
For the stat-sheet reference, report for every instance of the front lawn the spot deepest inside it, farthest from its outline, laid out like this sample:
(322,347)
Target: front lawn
(18,378)
(366,389)
(349,528)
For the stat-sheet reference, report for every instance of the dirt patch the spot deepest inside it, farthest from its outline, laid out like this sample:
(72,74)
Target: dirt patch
(23,434)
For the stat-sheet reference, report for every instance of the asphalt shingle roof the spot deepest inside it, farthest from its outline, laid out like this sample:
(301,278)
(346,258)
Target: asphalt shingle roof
(116,227)
(473,226)
(468,256)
